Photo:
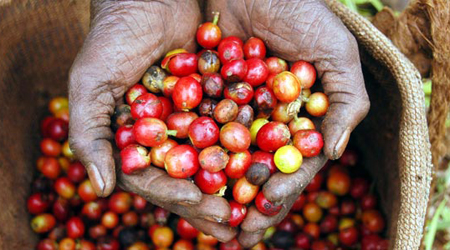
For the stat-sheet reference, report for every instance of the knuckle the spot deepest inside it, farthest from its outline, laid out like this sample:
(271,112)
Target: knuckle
(91,113)
(78,146)
(280,193)
(225,237)
(247,244)
(74,143)
(305,177)
(258,226)
(364,105)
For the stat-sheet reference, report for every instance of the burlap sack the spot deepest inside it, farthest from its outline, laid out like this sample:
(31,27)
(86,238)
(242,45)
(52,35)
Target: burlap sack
(421,33)
(39,40)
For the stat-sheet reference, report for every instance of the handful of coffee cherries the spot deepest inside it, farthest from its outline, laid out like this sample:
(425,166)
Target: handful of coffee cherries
(227,116)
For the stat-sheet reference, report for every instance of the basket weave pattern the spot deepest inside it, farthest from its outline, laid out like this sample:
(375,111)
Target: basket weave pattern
(39,40)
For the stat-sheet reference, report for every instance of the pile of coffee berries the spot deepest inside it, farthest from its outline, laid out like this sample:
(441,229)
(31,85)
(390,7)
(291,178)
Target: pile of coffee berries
(226,117)
(337,210)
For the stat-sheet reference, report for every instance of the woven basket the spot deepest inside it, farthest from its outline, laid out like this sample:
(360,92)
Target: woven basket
(39,40)
(399,149)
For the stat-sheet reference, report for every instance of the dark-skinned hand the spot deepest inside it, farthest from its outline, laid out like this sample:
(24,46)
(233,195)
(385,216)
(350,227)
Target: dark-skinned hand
(301,30)
(127,37)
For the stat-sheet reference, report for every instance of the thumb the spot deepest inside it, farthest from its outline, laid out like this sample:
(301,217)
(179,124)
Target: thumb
(281,186)
(91,106)
(349,102)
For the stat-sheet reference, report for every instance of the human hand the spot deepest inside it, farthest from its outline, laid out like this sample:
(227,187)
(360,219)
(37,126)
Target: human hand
(127,37)
(207,213)
(301,30)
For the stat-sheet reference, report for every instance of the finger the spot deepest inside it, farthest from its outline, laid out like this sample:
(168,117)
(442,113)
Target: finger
(213,208)
(281,186)
(210,208)
(248,239)
(349,102)
(221,232)
(255,224)
(178,195)
(159,188)
(90,134)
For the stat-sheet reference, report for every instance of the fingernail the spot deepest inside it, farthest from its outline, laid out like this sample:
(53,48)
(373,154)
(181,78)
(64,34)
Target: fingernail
(96,179)
(278,203)
(213,219)
(341,144)
(186,203)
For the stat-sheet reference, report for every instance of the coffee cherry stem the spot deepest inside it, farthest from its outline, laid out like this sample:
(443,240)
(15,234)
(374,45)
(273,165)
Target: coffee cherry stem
(169,56)
(263,114)
(155,86)
(216,17)
(172,132)
(293,108)
(221,191)
(304,98)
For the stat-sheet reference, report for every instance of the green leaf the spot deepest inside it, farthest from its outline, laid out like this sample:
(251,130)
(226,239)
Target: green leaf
(446,214)
(447,171)
(350,4)
(377,4)
(442,225)
(365,13)
(427,86)
(361,1)
(432,227)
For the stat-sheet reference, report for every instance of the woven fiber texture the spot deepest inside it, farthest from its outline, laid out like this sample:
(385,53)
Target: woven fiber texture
(421,33)
(413,146)
(38,42)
